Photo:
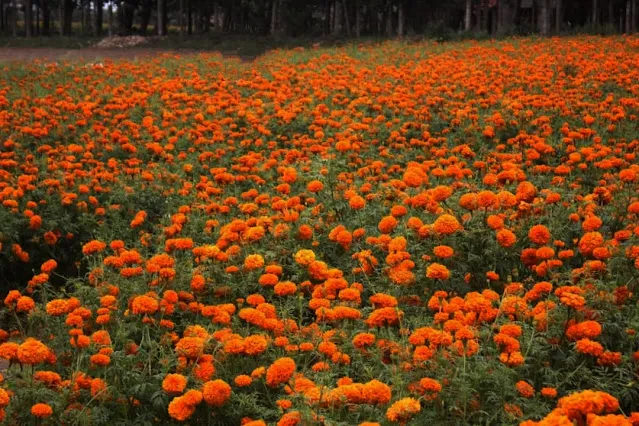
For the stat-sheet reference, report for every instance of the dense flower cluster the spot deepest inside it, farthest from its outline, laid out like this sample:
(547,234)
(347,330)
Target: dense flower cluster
(394,234)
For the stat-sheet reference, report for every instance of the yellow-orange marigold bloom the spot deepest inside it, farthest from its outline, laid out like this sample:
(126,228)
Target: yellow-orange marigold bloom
(436,271)
(315,186)
(190,347)
(48,266)
(443,252)
(280,372)
(41,410)
(357,202)
(446,225)
(93,247)
(253,261)
(589,242)
(144,305)
(387,224)
(403,410)
(539,234)
(32,351)
(304,257)
(216,392)
(180,409)
(506,238)
(174,383)
(243,380)
(525,389)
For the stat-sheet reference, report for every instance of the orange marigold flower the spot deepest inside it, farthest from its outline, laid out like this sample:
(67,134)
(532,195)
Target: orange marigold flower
(443,252)
(216,392)
(48,266)
(436,271)
(525,389)
(144,305)
(243,381)
(174,383)
(315,186)
(180,409)
(190,347)
(589,242)
(280,372)
(387,224)
(41,410)
(253,261)
(539,234)
(357,202)
(446,225)
(403,410)
(32,351)
(93,247)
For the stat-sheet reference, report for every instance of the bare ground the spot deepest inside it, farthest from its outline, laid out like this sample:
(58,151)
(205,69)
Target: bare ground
(89,54)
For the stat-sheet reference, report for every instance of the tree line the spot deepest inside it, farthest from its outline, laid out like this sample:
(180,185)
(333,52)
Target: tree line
(293,18)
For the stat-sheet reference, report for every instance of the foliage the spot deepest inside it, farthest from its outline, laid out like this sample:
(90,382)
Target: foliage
(410,233)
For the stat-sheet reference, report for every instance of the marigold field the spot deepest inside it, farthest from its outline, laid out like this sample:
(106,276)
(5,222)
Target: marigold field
(412,234)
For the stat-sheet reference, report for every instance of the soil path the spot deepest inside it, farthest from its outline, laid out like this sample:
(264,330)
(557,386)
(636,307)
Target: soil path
(90,54)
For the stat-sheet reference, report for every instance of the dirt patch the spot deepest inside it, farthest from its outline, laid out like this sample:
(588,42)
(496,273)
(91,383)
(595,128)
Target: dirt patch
(91,54)
(4,365)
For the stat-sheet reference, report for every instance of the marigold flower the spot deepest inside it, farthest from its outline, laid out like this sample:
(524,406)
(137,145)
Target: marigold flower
(174,383)
(403,410)
(216,393)
(280,372)
(539,234)
(436,271)
(253,261)
(446,225)
(41,410)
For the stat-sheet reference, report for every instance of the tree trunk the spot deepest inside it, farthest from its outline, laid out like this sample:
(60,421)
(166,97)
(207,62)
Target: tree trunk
(145,16)
(28,18)
(181,18)
(468,15)
(633,25)
(611,14)
(14,18)
(111,24)
(389,18)
(189,17)
(37,22)
(2,17)
(161,22)
(207,18)
(347,18)
(61,16)
(400,19)
(483,26)
(274,15)
(544,17)
(83,18)
(595,13)
(358,19)
(97,25)
(558,15)
(337,18)
(68,17)
(628,26)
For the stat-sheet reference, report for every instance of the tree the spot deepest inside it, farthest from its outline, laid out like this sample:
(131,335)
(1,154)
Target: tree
(161,19)
(28,18)
(544,17)
(468,15)
(46,17)
(400,18)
